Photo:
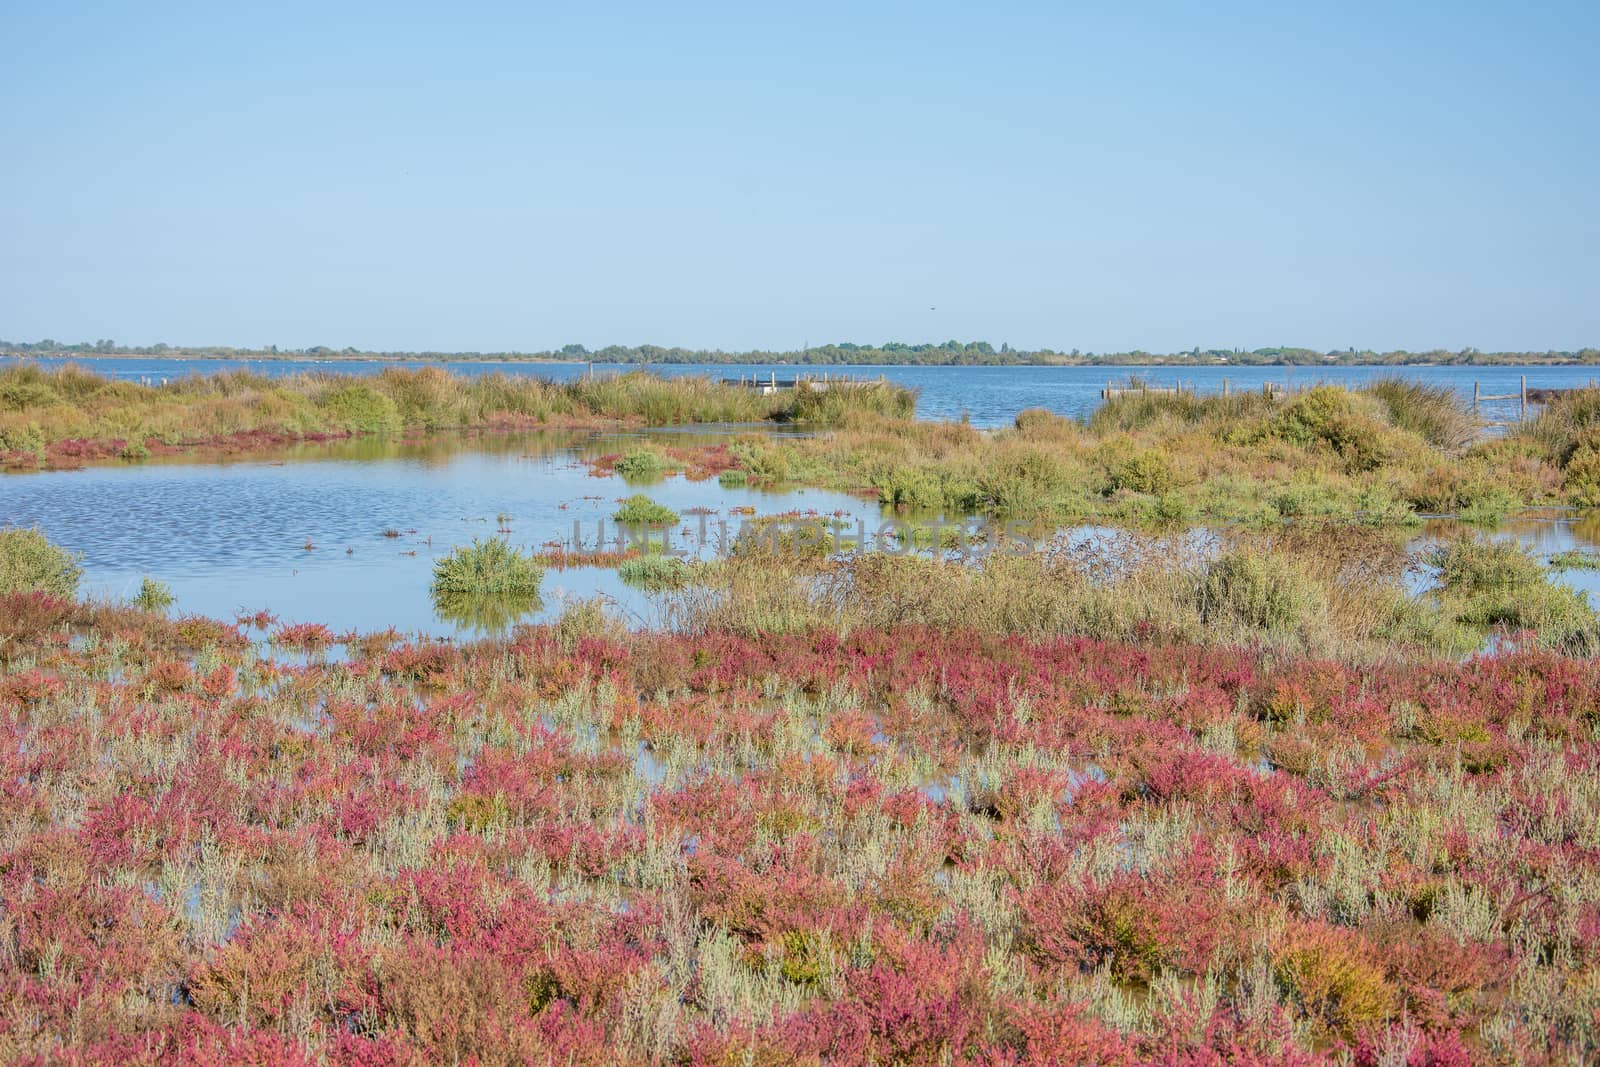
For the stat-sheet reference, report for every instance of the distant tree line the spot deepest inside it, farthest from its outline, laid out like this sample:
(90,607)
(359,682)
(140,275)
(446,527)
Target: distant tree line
(946,353)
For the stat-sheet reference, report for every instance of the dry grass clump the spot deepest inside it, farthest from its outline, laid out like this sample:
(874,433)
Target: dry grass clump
(1567,433)
(1331,591)
(1433,412)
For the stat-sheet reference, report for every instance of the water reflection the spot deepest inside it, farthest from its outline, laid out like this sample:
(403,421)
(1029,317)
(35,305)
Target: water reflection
(486,614)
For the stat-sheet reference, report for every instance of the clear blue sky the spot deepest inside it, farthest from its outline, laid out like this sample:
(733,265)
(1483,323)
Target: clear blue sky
(1099,177)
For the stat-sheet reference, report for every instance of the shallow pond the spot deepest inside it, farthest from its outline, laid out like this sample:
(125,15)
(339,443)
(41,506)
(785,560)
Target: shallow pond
(308,533)
(303,533)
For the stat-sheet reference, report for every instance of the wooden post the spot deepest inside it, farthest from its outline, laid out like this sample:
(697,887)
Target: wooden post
(1522,414)
(1224,388)
(1475,387)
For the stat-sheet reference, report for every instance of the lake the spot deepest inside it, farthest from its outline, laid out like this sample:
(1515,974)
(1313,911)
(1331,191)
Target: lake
(989,396)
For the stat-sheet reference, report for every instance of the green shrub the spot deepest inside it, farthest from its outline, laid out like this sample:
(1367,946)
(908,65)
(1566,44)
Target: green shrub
(360,409)
(641,465)
(654,572)
(914,488)
(1498,583)
(485,586)
(1581,474)
(640,510)
(28,439)
(1024,480)
(491,566)
(154,595)
(1486,505)
(1476,564)
(1561,618)
(1306,500)
(1569,421)
(30,563)
(1342,420)
(1377,506)
(732,479)
(1143,471)
(763,462)
(20,390)
(1172,510)
(1315,415)
(1257,590)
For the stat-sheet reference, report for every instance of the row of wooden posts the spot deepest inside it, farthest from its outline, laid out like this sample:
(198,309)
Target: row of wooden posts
(1112,390)
(1520,396)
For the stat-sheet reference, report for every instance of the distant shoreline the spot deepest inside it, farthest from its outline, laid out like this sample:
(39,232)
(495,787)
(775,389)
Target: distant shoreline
(1591,358)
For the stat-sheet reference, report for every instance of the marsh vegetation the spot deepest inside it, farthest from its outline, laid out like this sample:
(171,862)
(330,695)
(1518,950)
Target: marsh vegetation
(1295,787)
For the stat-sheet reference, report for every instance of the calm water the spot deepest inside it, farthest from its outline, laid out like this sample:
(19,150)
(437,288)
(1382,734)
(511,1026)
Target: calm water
(232,537)
(990,396)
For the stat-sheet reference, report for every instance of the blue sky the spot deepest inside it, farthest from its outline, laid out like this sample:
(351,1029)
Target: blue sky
(1099,177)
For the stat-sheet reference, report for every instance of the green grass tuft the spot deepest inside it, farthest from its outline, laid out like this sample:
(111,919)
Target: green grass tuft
(154,595)
(641,465)
(654,572)
(486,567)
(640,510)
